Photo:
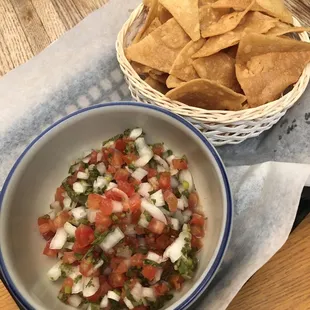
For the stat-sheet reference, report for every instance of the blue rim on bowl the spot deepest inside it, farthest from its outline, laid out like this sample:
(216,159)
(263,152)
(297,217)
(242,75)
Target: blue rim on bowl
(228,225)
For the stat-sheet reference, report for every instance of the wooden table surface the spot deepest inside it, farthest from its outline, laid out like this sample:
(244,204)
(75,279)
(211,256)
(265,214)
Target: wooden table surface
(28,26)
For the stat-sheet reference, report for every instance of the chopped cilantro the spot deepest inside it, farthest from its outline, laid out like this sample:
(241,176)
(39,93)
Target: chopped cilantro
(148,216)
(112,139)
(114,218)
(93,175)
(186,193)
(94,307)
(90,283)
(78,256)
(136,187)
(160,302)
(77,279)
(154,201)
(151,262)
(127,132)
(132,166)
(81,199)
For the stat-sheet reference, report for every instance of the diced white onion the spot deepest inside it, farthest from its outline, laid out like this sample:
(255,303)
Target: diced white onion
(174,182)
(144,189)
(130,230)
(67,203)
(181,204)
(70,229)
(91,286)
(117,206)
(162,162)
(137,291)
(159,198)
(104,302)
(187,215)
(69,245)
(74,300)
(109,144)
(129,170)
(173,171)
(91,215)
(52,214)
(112,239)
(111,185)
(148,292)
(120,193)
(56,206)
(174,251)
(143,222)
(158,274)
(78,188)
(185,201)
(139,174)
(113,295)
(179,216)
(99,264)
(82,175)
(128,303)
(153,210)
(79,213)
(154,257)
(86,160)
(101,168)
(101,182)
(160,169)
(170,158)
(55,272)
(135,133)
(99,157)
(186,176)
(59,239)
(144,151)
(175,224)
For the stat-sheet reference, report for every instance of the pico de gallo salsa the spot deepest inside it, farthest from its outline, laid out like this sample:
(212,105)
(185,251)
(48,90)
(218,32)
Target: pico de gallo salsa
(125,226)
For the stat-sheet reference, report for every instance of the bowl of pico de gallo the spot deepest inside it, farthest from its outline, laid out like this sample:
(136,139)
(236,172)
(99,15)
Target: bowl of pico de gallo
(117,206)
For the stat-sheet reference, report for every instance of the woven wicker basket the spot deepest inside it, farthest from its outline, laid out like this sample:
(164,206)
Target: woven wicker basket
(220,127)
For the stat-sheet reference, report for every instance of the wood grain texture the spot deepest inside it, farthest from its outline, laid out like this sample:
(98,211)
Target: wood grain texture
(283,283)
(28,26)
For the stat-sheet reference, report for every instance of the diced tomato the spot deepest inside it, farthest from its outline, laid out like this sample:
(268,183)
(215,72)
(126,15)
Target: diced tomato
(149,272)
(193,200)
(197,231)
(163,241)
(132,241)
(93,158)
(61,219)
(164,180)
(111,169)
(171,200)
(59,194)
(113,195)
(196,243)
(117,280)
(49,252)
(197,219)
(94,201)
(130,158)
(86,267)
(46,232)
(135,202)
(80,250)
(103,289)
(134,182)
(150,241)
(121,175)
(69,258)
(122,267)
(120,145)
(43,219)
(180,164)
(115,261)
(103,220)
(84,235)
(137,260)
(126,187)
(158,149)
(106,206)
(72,179)
(156,226)
(151,173)
(161,289)
(67,285)
(139,230)
(135,217)
(117,159)
(176,281)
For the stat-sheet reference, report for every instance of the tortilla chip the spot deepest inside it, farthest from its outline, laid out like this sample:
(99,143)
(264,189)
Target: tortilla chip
(274,8)
(232,51)
(160,48)
(255,22)
(173,82)
(152,13)
(226,23)
(154,25)
(205,2)
(254,44)
(219,68)
(207,94)
(147,3)
(139,68)
(156,85)
(163,14)
(187,15)
(265,77)
(283,28)
(183,68)
(158,76)
(209,16)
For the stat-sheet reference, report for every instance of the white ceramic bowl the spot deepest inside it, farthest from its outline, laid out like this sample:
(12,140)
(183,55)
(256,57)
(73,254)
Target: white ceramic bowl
(29,189)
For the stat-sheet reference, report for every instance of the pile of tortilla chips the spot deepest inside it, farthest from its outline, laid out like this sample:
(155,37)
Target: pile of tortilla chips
(218,54)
